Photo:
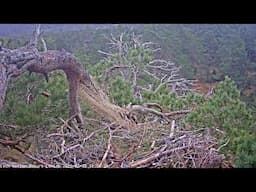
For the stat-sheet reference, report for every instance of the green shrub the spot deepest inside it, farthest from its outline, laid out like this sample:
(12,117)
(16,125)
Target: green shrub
(120,92)
(41,109)
(225,110)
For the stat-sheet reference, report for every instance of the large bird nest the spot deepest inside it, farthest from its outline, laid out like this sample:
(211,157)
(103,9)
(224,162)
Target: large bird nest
(150,145)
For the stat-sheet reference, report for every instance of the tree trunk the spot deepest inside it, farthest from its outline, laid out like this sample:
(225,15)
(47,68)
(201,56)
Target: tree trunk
(3,85)
(73,97)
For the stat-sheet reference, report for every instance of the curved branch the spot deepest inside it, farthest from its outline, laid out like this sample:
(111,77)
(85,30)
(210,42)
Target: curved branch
(146,109)
(44,44)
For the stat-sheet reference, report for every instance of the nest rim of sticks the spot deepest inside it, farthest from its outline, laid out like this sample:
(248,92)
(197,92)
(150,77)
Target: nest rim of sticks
(113,146)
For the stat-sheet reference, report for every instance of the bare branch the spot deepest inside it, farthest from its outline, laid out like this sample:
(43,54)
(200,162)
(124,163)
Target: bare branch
(34,40)
(144,110)
(107,150)
(39,161)
(105,53)
(154,156)
(172,129)
(65,151)
(44,44)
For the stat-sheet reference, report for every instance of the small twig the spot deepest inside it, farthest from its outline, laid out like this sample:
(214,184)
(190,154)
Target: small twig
(12,142)
(55,134)
(172,129)
(107,151)
(9,142)
(70,148)
(66,123)
(153,145)
(87,138)
(223,145)
(38,160)
(44,44)
(11,126)
(46,94)
(105,53)
(154,156)
(62,146)
(143,109)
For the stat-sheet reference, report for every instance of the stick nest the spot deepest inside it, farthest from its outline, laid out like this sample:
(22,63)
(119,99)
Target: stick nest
(111,146)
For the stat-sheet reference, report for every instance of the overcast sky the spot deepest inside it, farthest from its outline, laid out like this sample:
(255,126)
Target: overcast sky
(21,29)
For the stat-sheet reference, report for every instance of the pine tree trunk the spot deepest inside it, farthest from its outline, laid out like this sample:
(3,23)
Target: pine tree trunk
(3,85)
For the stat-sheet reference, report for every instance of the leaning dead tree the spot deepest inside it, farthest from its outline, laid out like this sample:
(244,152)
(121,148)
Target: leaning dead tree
(28,58)
(17,61)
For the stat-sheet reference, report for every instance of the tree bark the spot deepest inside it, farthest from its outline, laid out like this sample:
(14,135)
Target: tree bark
(3,84)
(73,97)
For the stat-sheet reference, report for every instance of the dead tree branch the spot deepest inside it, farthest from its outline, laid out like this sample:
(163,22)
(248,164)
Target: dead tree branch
(165,72)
